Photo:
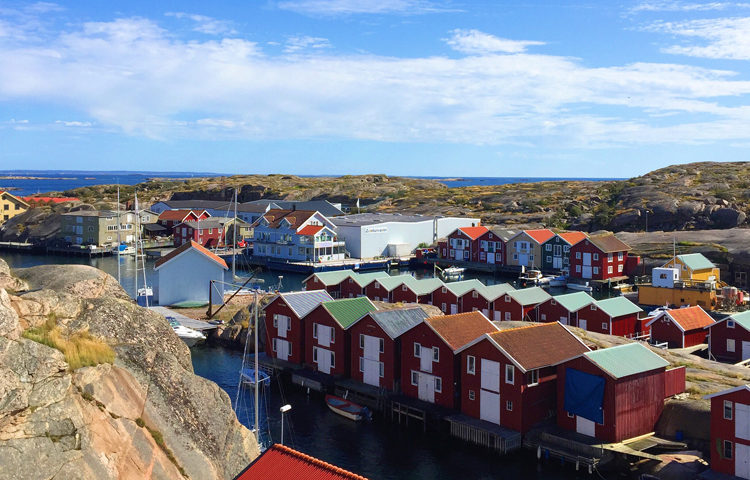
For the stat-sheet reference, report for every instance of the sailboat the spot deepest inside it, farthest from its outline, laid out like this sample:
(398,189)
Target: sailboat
(144,296)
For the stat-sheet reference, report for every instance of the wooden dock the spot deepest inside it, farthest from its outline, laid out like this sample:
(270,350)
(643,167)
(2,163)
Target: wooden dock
(183,320)
(484,434)
(373,397)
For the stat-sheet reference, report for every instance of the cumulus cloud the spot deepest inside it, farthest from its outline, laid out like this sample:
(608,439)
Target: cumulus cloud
(476,42)
(350,7)
(675,6)
(727,38)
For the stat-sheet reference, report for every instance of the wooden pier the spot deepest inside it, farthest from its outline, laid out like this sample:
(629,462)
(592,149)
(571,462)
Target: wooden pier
(484,434)
(373,397)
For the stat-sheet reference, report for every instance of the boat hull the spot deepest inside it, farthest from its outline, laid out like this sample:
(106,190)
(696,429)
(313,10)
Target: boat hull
(345,408)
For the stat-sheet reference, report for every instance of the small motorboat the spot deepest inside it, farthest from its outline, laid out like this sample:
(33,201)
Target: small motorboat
(188,335)
(347,409)
(583,287)
(452,274)
(558,281)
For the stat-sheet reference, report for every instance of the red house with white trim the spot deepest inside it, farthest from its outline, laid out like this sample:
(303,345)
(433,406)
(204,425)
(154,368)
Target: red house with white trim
(376,345)
(680,327)
(463,244)
(612,316)
(729,338)
(564,308)
(170,218)
(429,366)
(483,298)
(446,298)
(599,257)
(519,305)
(492,245)
(285,329)
(730,431)
(331,282)
(509,377)
(208,232)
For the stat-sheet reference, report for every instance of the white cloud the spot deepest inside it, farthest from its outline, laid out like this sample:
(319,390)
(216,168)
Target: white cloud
(133,76)
(297,43)
(204,24)
(676,6)
(727,38)
(350,7)
(476,42)
(73,123)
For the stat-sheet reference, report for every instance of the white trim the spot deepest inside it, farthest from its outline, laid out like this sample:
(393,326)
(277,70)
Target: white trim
(728,391)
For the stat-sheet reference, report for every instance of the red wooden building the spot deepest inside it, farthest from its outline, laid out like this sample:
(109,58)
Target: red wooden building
(331,282)
(208,233)
(327,333)
(384,289)
(730,431)
(492,245)
(357,285)
(429,367)
(284,318)
(680,327)
(376,345)
(280,462)
(463,244)
(729,338)
(564,308)
(612,316)
(483,298)
(519,305)
(599,257)
(170,218)
(509,377)
(614,393)
(446,297)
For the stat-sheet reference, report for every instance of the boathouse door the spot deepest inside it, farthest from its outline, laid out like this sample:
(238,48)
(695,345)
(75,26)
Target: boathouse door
(489,394)
(582,324)
(282,349)
(586,270)
(426,387)
(745,350)
(324,360)
(585,426)
(523,259)
(371,362)
(742,421)
(741,460)
(564,320)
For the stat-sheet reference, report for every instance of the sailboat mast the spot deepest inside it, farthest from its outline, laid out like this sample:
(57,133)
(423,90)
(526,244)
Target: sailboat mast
(119,279)
(255,338)
(135,276)
(234,238)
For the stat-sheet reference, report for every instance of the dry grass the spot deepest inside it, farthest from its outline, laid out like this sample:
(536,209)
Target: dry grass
(80,349)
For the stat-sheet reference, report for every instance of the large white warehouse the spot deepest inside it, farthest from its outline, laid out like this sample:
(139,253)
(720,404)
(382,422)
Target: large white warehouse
(369,235)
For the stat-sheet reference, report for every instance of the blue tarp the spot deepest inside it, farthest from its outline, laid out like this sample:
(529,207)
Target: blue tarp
(584,395)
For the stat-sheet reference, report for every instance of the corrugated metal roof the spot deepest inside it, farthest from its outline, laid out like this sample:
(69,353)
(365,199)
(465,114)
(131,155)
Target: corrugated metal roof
(742,319)
(364,279)
(304,302)
(696,261)
(473,232)
(397,321)
(491,292)
(334,277)
(608,243)
(390,283)
(459,329)
(574,301)
(280,462)
(425,285)
(529,296)
(346,311)
(625,360)
(459,288)
(618,306)
(539,345)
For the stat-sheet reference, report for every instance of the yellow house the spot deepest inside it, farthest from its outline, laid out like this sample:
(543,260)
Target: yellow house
(10,206)
(695,267)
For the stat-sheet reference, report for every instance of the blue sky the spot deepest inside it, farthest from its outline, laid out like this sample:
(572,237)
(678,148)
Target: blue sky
(410,87)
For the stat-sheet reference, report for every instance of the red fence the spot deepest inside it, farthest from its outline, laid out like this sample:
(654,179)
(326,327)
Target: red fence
(674,381)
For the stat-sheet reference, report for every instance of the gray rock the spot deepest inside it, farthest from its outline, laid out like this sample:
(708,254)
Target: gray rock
(728,217)
(10,326)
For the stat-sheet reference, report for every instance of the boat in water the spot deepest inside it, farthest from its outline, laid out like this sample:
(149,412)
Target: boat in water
(558,281)
(581,287)
(188,335)
(347,408)
(452,274)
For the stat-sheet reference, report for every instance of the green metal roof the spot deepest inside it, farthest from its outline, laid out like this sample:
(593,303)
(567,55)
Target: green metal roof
(624,360)
(334,277)
(389,283)
(459,288)
(574,301)
(742,318)
(425,285)
(348,310)
(491,292)
(529,296)
(364,279)
(618,306)
(696,261)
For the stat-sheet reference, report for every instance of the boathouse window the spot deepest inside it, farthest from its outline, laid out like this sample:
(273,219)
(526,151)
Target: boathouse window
(435,354)
(333,335)
(414,378)
(509,406)
(472,395)
(570,415)
(728,407)
(315,330)
(548,247)
(619,268)
(438,384)
(273,341)
(382,345)
(593,307)
(361,364)
(507,316)
(474,294)
(727,449)
(596,256)
(507,299)
(596,270)
(548,259)
(605,327)
(730,323)
(554,302)
(275,321)
(509,374)
(471,364)
(315,354)
(333,359)
(578,269)
(544,316)
(403,288)
(533,377)
(609,269)
(361,341)
(443,290)
(578,255)
(382,369)
(609,257)
(377,285)
(515,256)
(417,350)
(350,280)
(619,256)
(730,345)
(443,307)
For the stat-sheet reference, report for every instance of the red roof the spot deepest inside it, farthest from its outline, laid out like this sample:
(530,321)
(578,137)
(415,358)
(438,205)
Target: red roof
(280,462)
(539,345)
(541,235)
(178,215)
(50,199)
(294,217)
(474,232)
(572,237)
(459,329)
(186,246)
(310,229)
(690,318)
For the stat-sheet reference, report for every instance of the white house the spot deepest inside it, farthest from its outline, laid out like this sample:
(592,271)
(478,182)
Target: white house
(185,275)
(296,235)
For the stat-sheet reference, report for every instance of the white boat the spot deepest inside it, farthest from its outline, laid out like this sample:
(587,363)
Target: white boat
(451,274)
(188,335)
(558,281)
(583,287)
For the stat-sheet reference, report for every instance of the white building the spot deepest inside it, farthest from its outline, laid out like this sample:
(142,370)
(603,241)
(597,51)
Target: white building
(185,275)
(369,235)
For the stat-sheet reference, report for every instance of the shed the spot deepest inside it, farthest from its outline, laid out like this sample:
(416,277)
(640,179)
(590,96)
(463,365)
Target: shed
(730,431)
(185,275)
(520,304)
(729,338)
(680,327)
(611,316)
(563,308)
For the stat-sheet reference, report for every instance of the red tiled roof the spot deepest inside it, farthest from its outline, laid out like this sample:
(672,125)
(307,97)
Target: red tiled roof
(459,329)
(186,246)
(295,217)
(541,235)
(50,199)
(608,243)
(310,229)
(572,237)
(690,318)
(178,215)
(280,462)
(538,346)
(474,232)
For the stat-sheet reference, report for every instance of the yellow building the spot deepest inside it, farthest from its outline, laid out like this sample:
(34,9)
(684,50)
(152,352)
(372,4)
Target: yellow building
(694,267)
(10,206)
(677,297)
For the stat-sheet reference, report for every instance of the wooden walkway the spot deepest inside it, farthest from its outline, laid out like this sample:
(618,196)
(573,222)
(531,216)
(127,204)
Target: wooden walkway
(199,325)
(484,434)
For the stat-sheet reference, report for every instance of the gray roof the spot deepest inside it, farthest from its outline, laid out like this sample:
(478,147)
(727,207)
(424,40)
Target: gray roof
(153,227)
(363,219)
(397,321)
(504,234)
(208,223)
(304,302)
(96,213)
(194,204)
(325,207)
(529,296)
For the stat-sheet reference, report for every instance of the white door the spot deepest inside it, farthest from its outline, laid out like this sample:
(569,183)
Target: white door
(486,312)
(282,349)
(586,259)
(497,317)
(426,387)
(372,372)
(586,272)
(741,460)
(582,324)
(281,325)
(742,421)
(459,254)
(585,426)
(324,335)
(490,372)
(372,347)
(564,320)
(557,263)
(425,360)
(324,360)
(454,308)
(490,258)
(745,350)
(489,406)
(523,259)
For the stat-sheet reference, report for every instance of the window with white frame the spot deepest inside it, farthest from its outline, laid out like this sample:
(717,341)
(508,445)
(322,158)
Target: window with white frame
(593,307)
(435,354)
(549,259)
(727,449)
(507,299)
(578,255)
(472,395)
(333,359)
(619,268)
(382,345)
(609,258)
(507,316)
(570,415)
(578,269)
(443,307)
(509,406)
(361,364)
(544,316)
(596,256)
(619,256)
(510,374)
(382,369)
(315,354)
(553,302)
(273,341)
(730,345)
(403,288)
(315,330)
(471,364)
(333,335)
(362,341)
(730,323)
(596,270)
(414,378)
(474,294)
(443,289)
(609,269)
(728,410)
(605,326)
(548,247)
(417,350)
(438,384)
(534,377)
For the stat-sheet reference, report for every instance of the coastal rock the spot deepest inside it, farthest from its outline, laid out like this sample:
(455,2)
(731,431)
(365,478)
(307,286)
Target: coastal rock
(78,280)
(10,326)
(728,217)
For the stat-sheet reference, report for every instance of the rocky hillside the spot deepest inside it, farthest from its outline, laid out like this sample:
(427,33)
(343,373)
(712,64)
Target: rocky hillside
(115,398)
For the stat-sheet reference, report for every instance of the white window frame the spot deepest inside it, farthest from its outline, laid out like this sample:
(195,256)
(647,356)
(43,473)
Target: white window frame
(381,366)
(578,255)
(382,345)
(361,364)
(533,377)
(730,323)
(315,354)
(619,256)
(417,350)
(509,405)
(544,316)
(471,365)
(414,378)
(731,346)
(605,326)
(435,354)
(438,385)
(595,257)
(333,359)
(507,316)
(472,395)
(361,341)
(728,406)
(273,343)
(510,374)
(315,330)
